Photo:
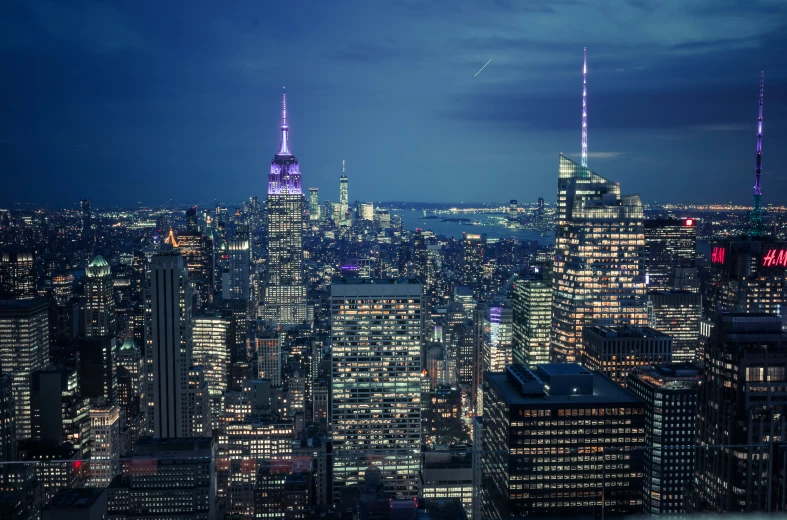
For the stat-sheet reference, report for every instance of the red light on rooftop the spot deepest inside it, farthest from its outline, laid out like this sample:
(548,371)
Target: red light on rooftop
(689,221)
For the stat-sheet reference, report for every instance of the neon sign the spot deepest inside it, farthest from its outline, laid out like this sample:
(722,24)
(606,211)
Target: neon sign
(775,258)
(688,222)
(717,255)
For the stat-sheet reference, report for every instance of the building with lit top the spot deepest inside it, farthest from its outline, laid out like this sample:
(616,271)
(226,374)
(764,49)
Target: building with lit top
(237,287)
(99,299)
(670,254)
(615,351)
(376,328)
(473,258)
(670,393)
(285,289)
(560,441)
(599,268)
(344,195)
(105,444)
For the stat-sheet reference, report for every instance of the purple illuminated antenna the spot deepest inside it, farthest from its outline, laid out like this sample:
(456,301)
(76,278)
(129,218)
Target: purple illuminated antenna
(284,149)
(584,162)
(757,227)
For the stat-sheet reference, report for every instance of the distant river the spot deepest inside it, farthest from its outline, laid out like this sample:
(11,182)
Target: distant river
(415,219)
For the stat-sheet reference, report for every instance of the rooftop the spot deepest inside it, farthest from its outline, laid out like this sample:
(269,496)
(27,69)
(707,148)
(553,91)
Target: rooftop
(625,331)
(604,390)
(75,498)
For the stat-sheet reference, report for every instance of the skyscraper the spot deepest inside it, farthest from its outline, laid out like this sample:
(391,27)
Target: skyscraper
(105,445)
(314,204)
(87,220)
(167,349)
(740,421)
(212,350)
(543,454)
(677,314)
(670,395)
(498,339)
(615,351)
(532,319)
(17,275)
(599,271)
(473,257)
(285,291)
(197,251)
(99,299)
(670,254)
(344,194)
(239,249)
(24,349)
(98,367)
(376,382)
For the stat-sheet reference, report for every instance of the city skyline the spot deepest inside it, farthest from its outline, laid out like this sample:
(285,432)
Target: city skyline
(117,101)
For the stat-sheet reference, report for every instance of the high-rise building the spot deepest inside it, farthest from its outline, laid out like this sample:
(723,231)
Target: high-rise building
(740,421)
(197,251)
(24,349)
(498,339)
(285,290)
(473,257)
(99,299)
(105,444)
(97,369)
(599,269)
(547,448)
(17,275)
(168,347)
(166,478)
(677,314)
(532,304)
(314,204)
(376,329)
(513,211)
(670,254)
(344,194)
(87,220)
(670,395)
(269,359)
(615,350)
(239,250)
(747,275)
(367,211)
(8,432)
(212,348)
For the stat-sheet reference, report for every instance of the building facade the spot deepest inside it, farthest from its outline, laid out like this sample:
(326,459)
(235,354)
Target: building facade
(549,447)
(599,269)
(615,351)
(670,393)
(376,382)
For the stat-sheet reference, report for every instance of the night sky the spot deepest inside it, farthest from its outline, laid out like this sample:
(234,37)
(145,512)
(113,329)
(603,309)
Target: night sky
(126,102)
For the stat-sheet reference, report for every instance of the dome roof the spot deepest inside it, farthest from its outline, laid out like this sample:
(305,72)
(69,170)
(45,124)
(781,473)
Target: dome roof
(98,267)
(99,262)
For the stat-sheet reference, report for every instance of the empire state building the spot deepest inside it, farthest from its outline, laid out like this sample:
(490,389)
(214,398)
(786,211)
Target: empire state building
(285,290)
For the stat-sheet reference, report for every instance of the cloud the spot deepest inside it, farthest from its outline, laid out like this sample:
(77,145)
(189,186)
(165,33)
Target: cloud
(730,127)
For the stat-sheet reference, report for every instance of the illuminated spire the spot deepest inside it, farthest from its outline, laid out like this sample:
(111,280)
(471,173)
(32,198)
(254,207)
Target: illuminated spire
(284,149)
(584,162)
(757,228)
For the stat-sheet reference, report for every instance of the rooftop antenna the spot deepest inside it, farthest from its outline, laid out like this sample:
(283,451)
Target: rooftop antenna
(584,162)
(757,228)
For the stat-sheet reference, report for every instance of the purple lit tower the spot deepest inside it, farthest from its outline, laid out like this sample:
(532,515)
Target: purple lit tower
(757,228)
(285,291)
